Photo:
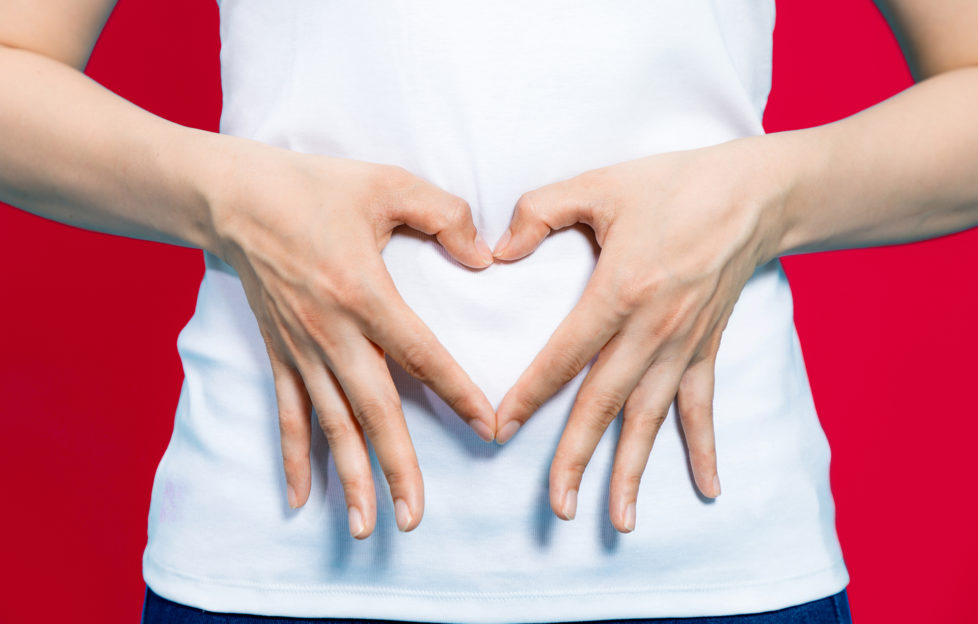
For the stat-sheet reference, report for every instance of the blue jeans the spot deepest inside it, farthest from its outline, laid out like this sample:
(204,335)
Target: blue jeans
(830,610)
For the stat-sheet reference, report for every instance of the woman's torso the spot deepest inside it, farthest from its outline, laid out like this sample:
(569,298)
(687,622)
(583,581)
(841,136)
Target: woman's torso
(489,100)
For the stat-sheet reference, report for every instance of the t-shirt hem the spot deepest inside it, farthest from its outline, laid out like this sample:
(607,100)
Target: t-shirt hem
(367,602)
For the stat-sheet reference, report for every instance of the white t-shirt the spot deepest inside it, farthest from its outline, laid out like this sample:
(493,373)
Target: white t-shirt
(489,100)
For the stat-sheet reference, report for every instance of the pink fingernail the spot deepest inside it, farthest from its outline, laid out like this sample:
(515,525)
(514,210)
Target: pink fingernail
(484,249)
(507,431)
(570,504)
(293,499)
(402,514)
(502,242)
(356,521)
(482,429)
(630,517)
(716,485)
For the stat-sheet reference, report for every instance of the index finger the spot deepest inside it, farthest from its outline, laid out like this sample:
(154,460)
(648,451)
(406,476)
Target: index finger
(393,326)
(586,329)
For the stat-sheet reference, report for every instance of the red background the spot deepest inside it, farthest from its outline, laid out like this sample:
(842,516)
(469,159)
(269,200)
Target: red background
(89,373)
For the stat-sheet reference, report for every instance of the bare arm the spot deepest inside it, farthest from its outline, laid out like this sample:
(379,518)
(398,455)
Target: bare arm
(64,30)
(303,231)
(73,151)
(905,169)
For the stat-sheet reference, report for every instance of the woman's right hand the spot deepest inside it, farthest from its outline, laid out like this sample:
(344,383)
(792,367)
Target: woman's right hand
(304,233)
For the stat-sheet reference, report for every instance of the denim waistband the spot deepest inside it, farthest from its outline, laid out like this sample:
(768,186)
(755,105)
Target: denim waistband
(829,610)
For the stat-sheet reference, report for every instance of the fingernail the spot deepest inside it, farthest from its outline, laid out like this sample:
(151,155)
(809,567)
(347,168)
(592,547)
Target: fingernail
(502,242)
(484,249)
(716,485)
(356,521)
(482,429)
(570,504)
(507,431)
(630,517)
(293,499)
(402,514)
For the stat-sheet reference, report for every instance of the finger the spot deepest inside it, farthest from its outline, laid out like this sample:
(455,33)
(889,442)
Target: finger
(432,210)
(390,323)
(294,424)
(586,329)
(694,402)
(376,405)
(347,446)
(540,211)
(614,375)
(645,411)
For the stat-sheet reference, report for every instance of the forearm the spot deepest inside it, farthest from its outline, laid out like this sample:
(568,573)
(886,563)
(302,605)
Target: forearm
(905,169)
(74,152)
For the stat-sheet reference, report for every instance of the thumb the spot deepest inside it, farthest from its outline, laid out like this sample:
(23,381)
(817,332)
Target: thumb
(432,210)
(539,212)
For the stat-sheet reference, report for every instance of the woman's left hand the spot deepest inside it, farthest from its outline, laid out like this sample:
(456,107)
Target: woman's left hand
(680,235)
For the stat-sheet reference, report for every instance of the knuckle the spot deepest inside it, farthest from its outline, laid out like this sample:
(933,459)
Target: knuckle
(353,481)
(631,292)
(401,177)
(628,480)
(326,285)
(374,415)
(649,420)
(569,464)
(600,407)
(564,365)
(417,359)
(697,406)
(350,291)
(386,179)
(311,330)
(673,321)
(291,424)
(600,178)
(453,214)
(357,297)
(337,429)
(383,187)
(401,475)
(702,454)
(457,212)
(528,205)
(696,400)
(525,404)
(294,462)
(597,190)
(592,179)
(374,180)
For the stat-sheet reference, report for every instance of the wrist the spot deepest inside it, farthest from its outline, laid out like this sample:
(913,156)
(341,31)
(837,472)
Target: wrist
(211,163)
(185,162)
(796,160)
(780,169)
(765,179)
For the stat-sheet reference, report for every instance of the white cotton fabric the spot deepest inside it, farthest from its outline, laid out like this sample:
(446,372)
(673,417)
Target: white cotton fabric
(489,100)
